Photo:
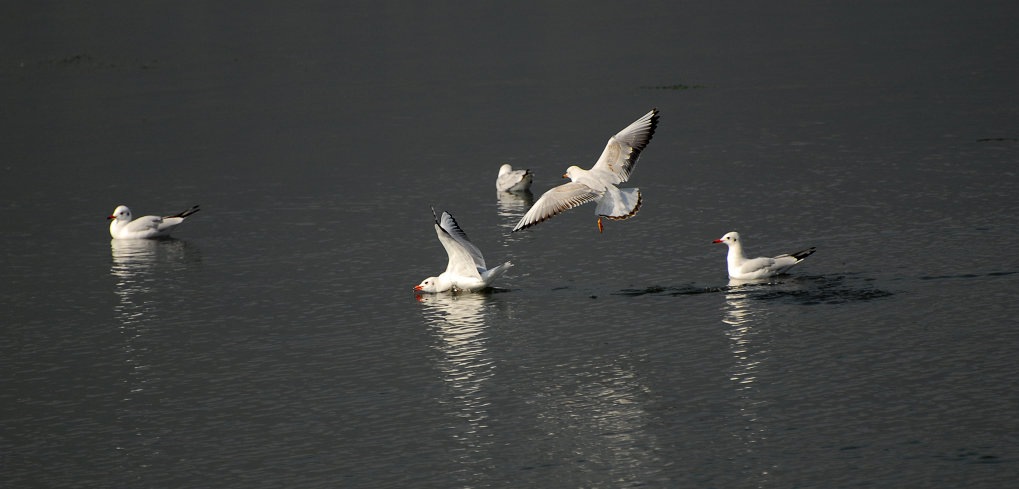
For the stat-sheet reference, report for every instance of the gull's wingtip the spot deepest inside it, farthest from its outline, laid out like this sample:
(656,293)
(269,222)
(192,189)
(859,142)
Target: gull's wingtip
(525,225)
(185,213)
(800,255)
(652,116)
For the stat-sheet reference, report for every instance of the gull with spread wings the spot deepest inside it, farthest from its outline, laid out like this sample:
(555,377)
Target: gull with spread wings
(599,183)
(466,270)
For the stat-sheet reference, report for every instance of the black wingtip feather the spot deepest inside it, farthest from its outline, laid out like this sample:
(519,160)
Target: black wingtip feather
(653,125)
(452,224)
(799,255)
(540,220)
(639,147)
(186,213)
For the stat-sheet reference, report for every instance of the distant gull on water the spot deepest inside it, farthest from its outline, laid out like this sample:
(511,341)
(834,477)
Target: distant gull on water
(510,180)
(123,227)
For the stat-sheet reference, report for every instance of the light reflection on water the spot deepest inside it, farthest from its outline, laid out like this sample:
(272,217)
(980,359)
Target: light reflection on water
(747,321)
(593,412)
(466,366)
(141,295)
(133,265)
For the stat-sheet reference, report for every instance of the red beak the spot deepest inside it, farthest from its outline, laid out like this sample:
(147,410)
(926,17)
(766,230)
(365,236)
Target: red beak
(418,287)
(717,241)
(111,217)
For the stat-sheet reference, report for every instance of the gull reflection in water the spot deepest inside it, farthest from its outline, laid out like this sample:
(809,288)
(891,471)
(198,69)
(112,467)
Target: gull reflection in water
(458,321)
(746,322)
(135,266)
(513,206)
(133,261)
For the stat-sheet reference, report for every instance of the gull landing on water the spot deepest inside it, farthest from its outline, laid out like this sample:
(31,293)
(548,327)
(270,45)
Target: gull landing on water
(123,227)
(599,183)
(743,268)
(510,180)
(466,269)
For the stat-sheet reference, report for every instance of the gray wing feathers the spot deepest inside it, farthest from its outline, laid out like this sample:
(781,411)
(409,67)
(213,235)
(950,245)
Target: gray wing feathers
(168,223)
(777,264)
(146,223)
(755,264)
(791,259)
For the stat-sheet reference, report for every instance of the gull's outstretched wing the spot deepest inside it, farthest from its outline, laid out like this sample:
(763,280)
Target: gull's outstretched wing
(623,149)
(555,201)
(464,258)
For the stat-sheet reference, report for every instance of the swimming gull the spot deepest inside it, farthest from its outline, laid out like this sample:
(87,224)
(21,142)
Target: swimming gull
(741,267)
(466,270)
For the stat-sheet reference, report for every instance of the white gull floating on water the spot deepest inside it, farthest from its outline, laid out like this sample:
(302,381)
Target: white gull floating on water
(743,268)
(466,270)
(123,227)
(599,183)
(510,180)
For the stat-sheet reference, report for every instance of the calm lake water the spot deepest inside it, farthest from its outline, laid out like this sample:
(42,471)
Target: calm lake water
(276,341)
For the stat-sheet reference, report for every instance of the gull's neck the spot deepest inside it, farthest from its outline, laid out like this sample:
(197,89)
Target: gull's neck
(586,177)
(443,283)
(735,256)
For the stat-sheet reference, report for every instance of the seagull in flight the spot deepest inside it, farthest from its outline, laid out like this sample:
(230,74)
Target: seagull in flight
(599,183)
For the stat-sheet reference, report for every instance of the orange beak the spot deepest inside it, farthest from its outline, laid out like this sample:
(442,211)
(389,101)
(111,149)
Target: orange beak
(418,287)
(599,225)
(565,175)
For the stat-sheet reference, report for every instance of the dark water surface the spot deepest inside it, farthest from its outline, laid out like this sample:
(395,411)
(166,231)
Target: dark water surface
(276,342)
